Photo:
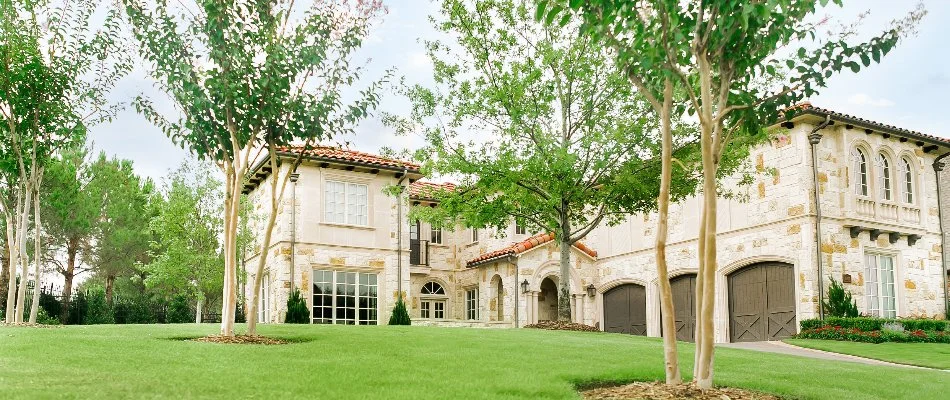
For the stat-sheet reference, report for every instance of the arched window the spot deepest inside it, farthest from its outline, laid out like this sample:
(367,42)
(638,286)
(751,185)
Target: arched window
(432,304)
(860,161)
(433,288)
(907,180)
(884,173)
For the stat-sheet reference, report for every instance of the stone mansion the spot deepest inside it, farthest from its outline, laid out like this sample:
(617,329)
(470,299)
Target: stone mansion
(837,197)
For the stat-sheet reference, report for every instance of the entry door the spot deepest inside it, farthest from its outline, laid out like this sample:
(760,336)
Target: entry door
(762,303)
(625,310)
(684,293)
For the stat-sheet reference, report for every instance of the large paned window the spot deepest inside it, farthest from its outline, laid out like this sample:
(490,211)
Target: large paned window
(860,161)
(346,203)
(471,304)
(432,303)
(879,286)
(341,297)
(884,172)
(436,235)
(907,181)
(263,309)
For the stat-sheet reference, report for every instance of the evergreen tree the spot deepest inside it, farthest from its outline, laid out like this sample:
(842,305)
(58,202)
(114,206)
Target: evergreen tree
(400,314)
(840,303)
(297,312)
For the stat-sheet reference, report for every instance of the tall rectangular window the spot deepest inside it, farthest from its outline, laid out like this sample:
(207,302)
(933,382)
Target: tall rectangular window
(341,297)
(879,286)
(436,235)
(471,304)
(346,203)
(519,229)
(474,235)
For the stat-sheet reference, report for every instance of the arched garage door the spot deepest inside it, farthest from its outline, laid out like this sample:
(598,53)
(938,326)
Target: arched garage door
(684,291)
(625,310)
(762,302)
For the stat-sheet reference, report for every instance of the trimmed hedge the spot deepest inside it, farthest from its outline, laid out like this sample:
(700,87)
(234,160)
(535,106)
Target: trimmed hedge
(880,336)
(867,324)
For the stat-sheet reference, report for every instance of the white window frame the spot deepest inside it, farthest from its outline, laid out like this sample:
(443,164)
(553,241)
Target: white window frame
(365,285)
(907,181)
(884,172)
(471,304)
(876,288)
(861,173)
(520,229)
(433,303)
(346,210)
(474,235)
(435,233)
(263,312)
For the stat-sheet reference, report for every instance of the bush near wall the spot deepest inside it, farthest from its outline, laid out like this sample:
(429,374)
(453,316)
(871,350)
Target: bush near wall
(868,324)
(880,336)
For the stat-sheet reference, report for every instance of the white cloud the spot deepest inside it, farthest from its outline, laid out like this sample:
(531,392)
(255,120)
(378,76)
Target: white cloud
(863,99)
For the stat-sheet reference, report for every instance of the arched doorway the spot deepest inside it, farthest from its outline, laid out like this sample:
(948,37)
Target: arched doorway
(762,302)
(547,300)
(625,310)
(683,289)
(498,302)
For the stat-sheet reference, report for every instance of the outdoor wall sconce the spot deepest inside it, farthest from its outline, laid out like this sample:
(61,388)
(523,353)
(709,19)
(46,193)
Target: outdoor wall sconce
(524,286)
(846,278)
(591,290)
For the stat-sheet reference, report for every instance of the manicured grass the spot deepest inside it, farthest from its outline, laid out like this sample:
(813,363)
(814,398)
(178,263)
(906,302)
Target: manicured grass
(931,355)
(143,361)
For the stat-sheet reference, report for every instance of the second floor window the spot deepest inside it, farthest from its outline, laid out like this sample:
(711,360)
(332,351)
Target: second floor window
(884,170)
(346,203)
(436,235)
(474,235)
(907,181)
(519,229)
(860,172)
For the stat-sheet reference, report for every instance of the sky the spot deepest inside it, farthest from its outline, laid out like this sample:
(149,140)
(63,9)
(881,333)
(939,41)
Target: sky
(908,88)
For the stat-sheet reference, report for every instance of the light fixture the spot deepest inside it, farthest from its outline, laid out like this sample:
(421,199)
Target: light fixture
(524,286)
(591,290)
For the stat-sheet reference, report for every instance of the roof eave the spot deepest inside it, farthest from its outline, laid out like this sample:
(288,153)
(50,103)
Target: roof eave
(804,113)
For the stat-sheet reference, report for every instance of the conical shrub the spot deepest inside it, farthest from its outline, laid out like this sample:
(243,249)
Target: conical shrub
(400,314)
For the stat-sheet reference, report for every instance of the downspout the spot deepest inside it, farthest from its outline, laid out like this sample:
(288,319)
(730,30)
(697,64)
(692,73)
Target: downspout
(815,138)
(938,167)
(293,226)
(399,221)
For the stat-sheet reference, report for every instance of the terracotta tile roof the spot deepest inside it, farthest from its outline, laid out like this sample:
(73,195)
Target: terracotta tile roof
(331,153)
(426,190)
(807,108)
(523,246)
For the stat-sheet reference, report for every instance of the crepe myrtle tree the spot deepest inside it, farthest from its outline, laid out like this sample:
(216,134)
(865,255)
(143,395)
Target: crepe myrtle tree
(565,143)
(248,78)
(721,52)
(55,73)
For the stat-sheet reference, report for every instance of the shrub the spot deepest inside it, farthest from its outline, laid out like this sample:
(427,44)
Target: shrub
(297,312)
(98,310)
(857,335)
(135,310)
(51,304)
(77,309)
(869,324)
(400,314)
(840,303)
(178,311)
(43,318)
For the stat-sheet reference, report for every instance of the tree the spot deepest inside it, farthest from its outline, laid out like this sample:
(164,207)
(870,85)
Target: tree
(721,53)
(840,303)
(248,75)
(186,253)
(70,213)
(121,237)
(572,146)
(54,75)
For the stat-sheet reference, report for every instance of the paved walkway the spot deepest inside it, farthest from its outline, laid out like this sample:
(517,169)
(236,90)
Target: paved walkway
(785,348)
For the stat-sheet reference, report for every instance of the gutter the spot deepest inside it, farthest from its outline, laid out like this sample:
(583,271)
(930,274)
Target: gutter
(293,226)
(938,167)
(514,260)
(815,138)
(405,173)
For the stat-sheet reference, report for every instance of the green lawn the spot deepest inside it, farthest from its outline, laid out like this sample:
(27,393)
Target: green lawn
(144,361)
(932,355)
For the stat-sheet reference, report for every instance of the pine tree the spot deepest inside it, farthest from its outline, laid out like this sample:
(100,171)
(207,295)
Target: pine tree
(400,314)
(297,312)
(840,303)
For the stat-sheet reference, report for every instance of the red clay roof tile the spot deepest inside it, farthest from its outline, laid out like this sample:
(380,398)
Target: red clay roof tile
(350,156)
(523,246)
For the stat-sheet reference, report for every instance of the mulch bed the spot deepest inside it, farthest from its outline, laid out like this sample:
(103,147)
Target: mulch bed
(240,339)
(562,326)
(29,325)
(662,391)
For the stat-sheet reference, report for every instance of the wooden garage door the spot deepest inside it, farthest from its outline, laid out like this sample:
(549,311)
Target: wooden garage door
(625,310)
(684,291)
(762,302)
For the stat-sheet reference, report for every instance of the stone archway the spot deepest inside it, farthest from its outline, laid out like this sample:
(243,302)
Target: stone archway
(547,300)
(497,305)
(762,302)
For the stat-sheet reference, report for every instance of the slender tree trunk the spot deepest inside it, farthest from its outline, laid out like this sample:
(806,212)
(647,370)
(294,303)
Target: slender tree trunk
(22,253)
(262,260)
(4,270)
(110,284)
(667,309)
(72,247)
(564,283)
(12,260)
(198,310)
(37,257)
(234,177)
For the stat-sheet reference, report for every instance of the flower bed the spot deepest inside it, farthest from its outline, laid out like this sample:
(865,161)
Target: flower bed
(878,336)
(869,324)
